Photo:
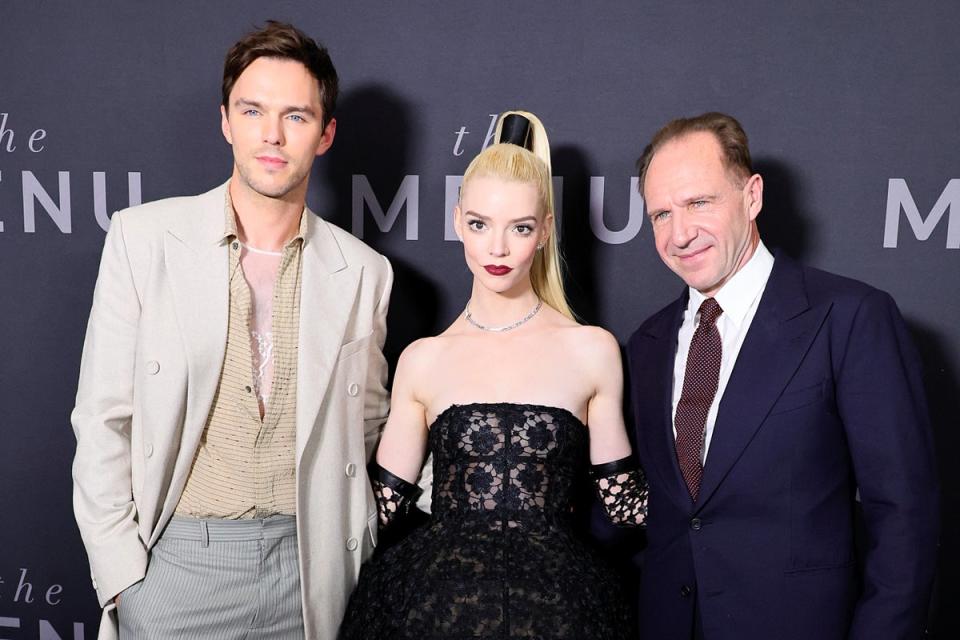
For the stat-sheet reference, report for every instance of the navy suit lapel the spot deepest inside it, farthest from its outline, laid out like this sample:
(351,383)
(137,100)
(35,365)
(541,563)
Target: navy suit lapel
(779,337)
(654,383)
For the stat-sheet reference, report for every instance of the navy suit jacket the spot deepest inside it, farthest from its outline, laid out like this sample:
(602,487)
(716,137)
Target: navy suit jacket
(825,398)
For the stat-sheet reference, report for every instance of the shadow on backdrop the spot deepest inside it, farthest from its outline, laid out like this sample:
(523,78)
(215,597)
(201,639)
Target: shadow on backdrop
(618,546)
(782,222)
(784,225)
(577,241)
(375,136)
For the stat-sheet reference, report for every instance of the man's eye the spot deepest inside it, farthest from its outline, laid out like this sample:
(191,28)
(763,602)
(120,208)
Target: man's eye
(660,216)
(698,204)
(251,112)
(297,118)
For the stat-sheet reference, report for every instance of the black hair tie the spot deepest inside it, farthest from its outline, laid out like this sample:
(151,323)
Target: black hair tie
(516,130)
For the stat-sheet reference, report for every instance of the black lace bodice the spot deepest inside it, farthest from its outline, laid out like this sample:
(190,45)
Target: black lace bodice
(507,464)
(499,557)
(498,468)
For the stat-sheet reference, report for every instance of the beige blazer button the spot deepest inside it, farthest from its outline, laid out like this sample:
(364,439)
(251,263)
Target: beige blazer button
(353,389)
(148,449)
(153,367)
(352,544)
(351,470)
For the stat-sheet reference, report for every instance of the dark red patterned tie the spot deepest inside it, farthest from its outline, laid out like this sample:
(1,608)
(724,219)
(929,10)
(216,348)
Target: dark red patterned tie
(699,388)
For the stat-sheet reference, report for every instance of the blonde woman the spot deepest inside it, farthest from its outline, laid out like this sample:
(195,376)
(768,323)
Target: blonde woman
(515,400)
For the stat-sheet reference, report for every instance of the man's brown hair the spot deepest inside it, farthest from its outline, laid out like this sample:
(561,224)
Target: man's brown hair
(284,41)
(725,129)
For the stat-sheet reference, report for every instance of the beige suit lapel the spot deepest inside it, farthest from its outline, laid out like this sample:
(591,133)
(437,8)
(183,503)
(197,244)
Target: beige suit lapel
(196,259)
(328,292)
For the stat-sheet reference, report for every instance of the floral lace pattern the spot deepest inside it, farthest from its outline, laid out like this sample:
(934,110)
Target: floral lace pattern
(622,489)
(499,463)
(395,496)
(499,557)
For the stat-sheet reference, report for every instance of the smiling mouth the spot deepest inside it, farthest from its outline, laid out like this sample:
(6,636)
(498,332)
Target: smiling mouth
(694,254)
(497,269)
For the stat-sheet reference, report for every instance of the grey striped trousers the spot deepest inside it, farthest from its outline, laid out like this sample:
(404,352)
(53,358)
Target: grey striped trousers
(218,580)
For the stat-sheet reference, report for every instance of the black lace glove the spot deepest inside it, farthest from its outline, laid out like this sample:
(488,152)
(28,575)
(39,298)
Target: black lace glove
(395,496)
(622,488)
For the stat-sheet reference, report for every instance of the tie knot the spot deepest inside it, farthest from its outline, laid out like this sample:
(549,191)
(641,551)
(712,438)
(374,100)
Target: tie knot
(709,311)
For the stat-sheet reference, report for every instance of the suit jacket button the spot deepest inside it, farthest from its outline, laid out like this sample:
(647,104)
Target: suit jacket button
(351,470)
(153,367)
(685,591)
(148,449)
(353,389)
(352,544)
(695,524)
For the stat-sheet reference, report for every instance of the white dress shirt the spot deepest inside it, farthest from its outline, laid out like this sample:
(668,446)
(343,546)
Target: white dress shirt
(739,299)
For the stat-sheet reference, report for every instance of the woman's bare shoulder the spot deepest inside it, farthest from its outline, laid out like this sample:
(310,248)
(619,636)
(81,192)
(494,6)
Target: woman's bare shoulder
(420,352)
(594,347)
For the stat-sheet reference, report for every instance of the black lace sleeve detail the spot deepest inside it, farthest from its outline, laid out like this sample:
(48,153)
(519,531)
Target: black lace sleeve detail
(395,496)
(622,488)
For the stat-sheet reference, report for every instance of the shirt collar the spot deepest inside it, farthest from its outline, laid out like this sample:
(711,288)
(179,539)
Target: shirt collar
(739,293)
(230,222)
(229,217)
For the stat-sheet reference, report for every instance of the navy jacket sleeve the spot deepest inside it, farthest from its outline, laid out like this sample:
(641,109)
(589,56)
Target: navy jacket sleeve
(882,405)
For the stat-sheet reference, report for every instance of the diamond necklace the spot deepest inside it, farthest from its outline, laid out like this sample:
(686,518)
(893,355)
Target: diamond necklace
(506,327)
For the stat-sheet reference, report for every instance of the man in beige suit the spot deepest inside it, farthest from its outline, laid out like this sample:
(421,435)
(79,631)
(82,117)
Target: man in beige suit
(232,383)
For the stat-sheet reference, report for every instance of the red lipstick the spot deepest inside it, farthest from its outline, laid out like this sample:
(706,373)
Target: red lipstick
(497,269)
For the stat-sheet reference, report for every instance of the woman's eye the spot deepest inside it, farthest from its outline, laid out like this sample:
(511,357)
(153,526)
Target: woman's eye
(476,225)
(523,229)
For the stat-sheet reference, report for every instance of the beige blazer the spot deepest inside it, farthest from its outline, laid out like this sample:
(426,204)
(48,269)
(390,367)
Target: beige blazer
(151,361)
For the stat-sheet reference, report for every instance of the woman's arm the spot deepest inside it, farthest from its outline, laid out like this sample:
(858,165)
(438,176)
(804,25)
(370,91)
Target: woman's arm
(618,479)
(403,444)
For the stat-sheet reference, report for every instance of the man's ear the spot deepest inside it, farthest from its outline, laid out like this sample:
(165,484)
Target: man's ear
(754,195)
(225,125)
(326,140)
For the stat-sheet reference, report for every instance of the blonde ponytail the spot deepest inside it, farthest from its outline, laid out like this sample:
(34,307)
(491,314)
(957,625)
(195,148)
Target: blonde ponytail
(512,162)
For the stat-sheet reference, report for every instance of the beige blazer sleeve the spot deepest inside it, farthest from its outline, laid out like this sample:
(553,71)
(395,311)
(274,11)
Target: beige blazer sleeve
(102,494)
(376,404)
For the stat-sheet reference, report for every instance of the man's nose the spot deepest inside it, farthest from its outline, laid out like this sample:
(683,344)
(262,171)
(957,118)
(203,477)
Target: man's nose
(682,229)
(272,131)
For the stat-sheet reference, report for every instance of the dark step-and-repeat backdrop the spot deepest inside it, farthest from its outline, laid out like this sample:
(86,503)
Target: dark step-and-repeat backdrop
(853,109)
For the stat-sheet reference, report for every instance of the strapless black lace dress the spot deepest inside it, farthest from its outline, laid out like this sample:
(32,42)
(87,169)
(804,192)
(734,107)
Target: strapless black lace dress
(499,557)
